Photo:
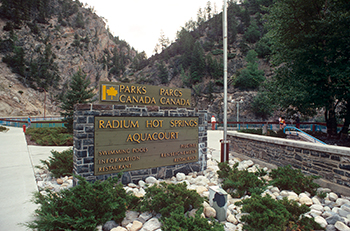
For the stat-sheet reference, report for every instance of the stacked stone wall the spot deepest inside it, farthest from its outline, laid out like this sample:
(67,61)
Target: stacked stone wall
(330,162)
(83,147)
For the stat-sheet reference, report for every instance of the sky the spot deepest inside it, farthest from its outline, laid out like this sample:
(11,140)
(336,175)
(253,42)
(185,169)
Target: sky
(140,22)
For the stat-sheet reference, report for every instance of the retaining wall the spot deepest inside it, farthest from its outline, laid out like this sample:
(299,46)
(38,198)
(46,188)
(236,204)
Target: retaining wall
(329,161)
(83,146)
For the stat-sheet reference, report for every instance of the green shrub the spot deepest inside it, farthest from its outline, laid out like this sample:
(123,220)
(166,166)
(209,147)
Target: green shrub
(179,221)
(287,178)
(3,129)
(217,52)
(165,198)
(239,183)
(83,207)
(60,163)
(266,213)
(50,136)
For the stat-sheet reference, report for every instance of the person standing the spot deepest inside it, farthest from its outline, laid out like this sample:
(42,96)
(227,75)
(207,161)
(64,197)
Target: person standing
(29,121)
(213,123)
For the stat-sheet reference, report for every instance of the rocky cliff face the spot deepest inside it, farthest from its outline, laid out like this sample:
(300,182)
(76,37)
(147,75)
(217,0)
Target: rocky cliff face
(72,47)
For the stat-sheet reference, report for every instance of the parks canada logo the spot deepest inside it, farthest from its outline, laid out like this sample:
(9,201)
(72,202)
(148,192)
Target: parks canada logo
(110,92)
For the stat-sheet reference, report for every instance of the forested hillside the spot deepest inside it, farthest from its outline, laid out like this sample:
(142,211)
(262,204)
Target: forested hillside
(286,58)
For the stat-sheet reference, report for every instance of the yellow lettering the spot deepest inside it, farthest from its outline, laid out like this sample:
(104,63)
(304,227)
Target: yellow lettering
(125,125)
(101,124)
(161,91)
(122,100)
(134,125)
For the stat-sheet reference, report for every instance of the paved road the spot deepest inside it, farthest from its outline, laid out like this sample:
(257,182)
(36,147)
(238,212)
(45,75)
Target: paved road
(17,181)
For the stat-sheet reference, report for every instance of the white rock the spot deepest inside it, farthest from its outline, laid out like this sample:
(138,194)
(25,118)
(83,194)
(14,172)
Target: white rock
(315,200)
(229,226)
(132,185)
(332,196)
(231,218)
(201,180)
(151,225)
(341,226)
(142,183)
(293,197)
(119,228)
(343,213)
(180,176)
(205,204)
(151,180)
(305,200)
(209,212)
(136,226)
(239,227)
(145,216)
(327,214)
(252,169)
(130,216)
(317,207)
(321,221)
(205,194)
(274,189)
(346,207)
(284,193)
(315,213)
(200,189)
(335,209)
(341,201)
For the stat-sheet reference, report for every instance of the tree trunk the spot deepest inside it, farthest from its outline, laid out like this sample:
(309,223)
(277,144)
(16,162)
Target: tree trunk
(331,122)
(345,129)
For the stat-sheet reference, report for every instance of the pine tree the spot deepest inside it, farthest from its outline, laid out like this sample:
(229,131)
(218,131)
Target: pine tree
(78,92)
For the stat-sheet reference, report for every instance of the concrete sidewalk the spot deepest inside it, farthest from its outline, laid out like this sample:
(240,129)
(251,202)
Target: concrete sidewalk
(17,181)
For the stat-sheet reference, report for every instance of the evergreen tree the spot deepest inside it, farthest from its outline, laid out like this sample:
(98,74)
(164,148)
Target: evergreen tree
(198,63)
(78,92)
(250,77)
(311,47)
(162,72)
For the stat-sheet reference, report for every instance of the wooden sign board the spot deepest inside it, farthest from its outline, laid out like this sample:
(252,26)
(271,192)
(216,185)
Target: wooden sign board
(132,143)
(143,95)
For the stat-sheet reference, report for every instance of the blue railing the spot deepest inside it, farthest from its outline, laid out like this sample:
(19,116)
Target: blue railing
(36,122)
(298,130)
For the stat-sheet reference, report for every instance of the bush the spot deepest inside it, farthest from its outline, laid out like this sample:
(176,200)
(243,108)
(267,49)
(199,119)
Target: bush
(178,221)
(50,136)
(60,164)
(83,207)
(287,178)
(3,129)
(239,183)
(266,213)
(165,198)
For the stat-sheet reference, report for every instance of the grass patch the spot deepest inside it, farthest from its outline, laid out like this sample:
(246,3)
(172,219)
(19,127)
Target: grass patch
(50,136)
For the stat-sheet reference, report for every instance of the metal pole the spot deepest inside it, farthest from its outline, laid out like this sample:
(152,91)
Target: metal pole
(237,113)
(44,101)
(225,77)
